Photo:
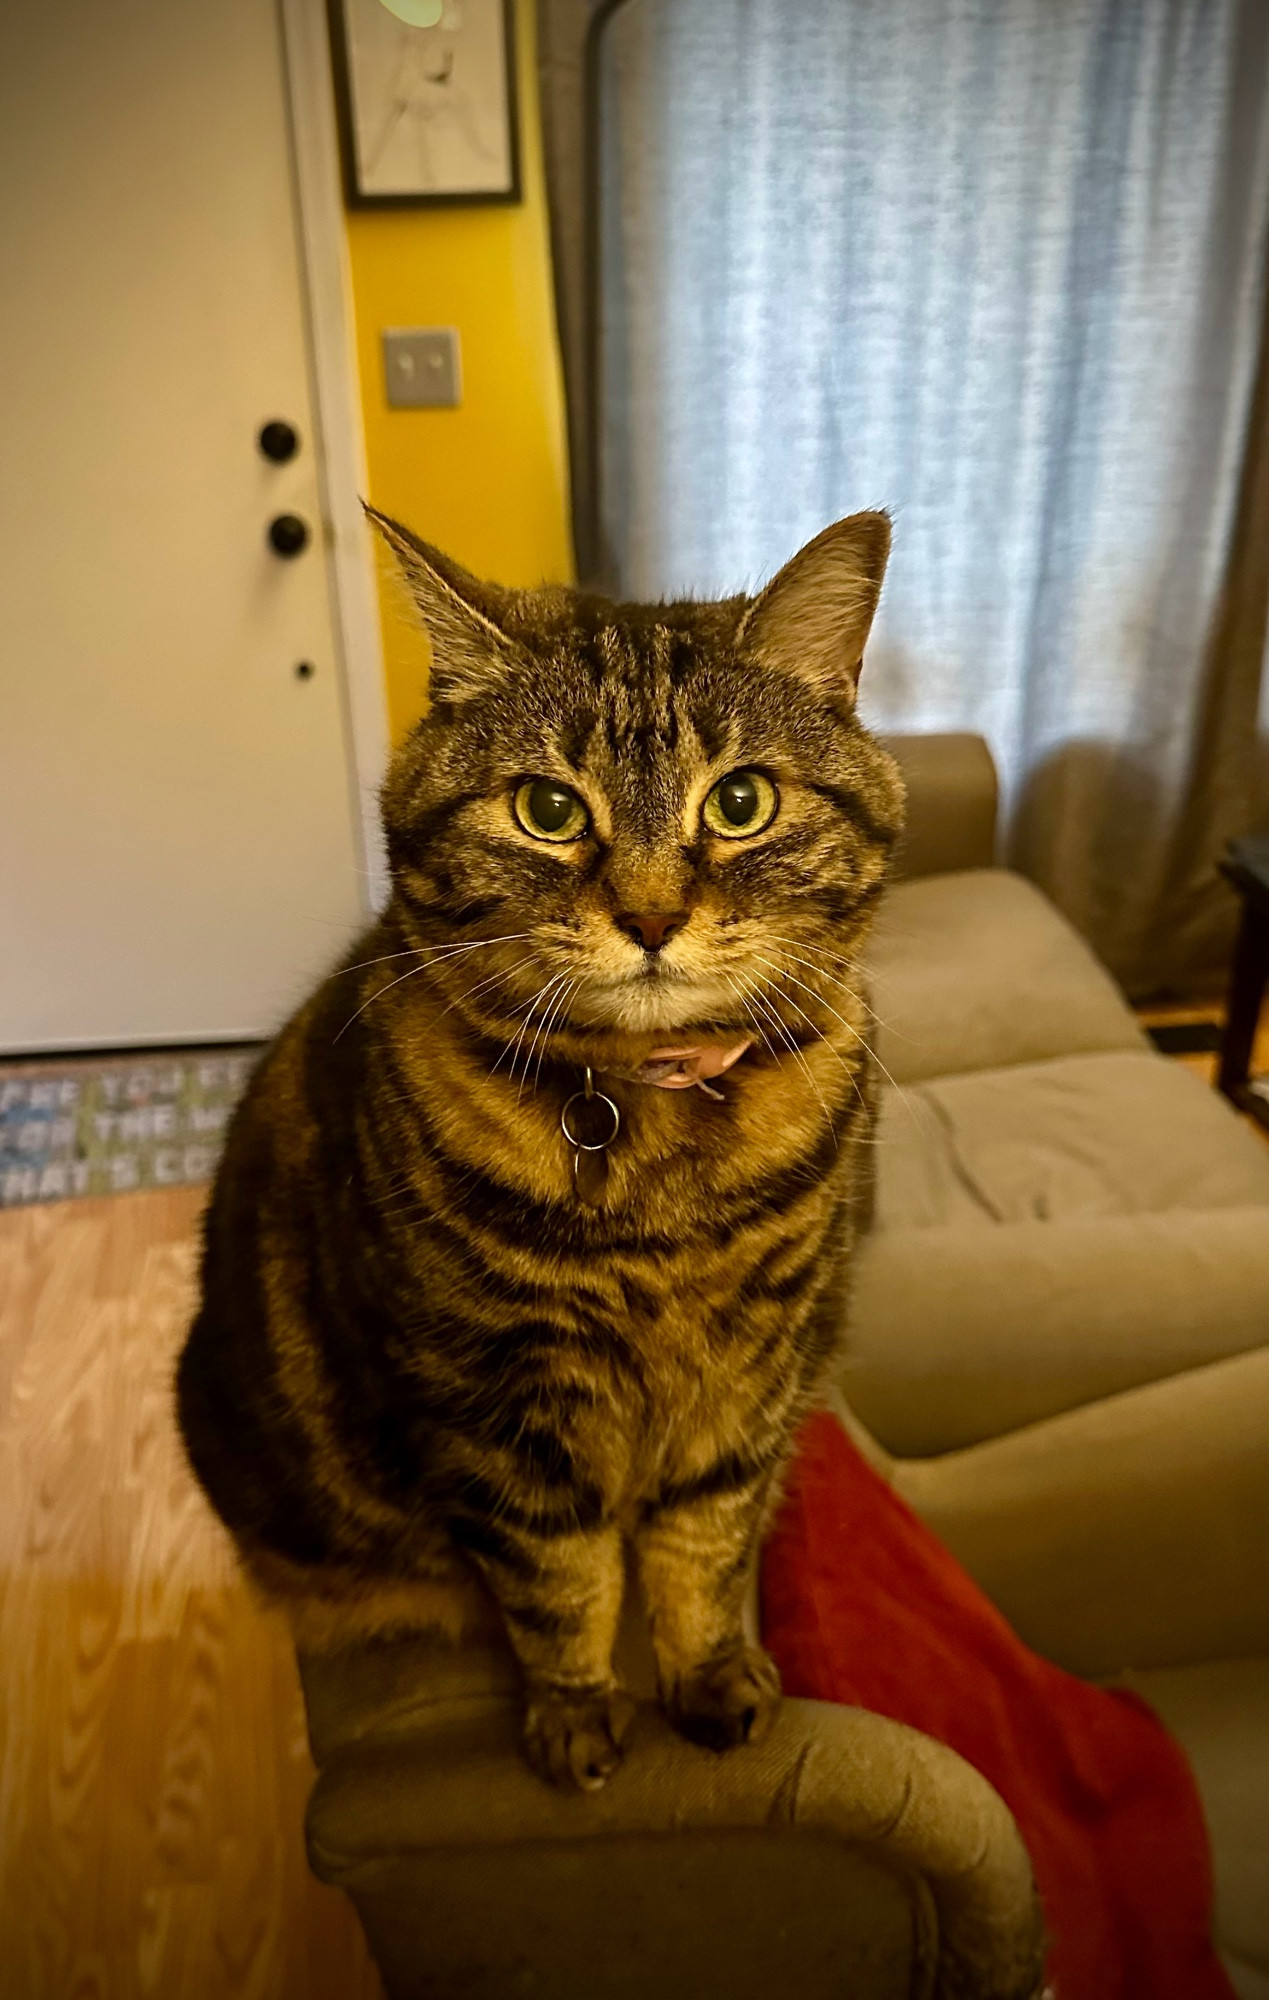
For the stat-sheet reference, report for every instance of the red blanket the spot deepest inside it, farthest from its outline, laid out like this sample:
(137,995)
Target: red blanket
(862,1604)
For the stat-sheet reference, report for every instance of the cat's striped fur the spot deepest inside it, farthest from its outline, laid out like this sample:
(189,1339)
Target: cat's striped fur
(425,1378)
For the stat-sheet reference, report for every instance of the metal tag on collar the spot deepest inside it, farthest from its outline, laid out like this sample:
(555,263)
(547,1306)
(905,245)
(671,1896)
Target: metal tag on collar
(590,1122)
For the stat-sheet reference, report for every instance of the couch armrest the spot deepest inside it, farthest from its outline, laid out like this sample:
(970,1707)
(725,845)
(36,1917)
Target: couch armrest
(912,1853)
(952,798)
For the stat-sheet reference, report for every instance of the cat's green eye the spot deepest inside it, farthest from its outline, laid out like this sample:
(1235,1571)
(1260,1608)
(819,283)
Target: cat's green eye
(740,804)
(549,811)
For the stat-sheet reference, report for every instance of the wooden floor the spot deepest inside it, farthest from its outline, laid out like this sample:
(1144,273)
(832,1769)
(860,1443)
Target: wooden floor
(1204,1066)
(153,1765)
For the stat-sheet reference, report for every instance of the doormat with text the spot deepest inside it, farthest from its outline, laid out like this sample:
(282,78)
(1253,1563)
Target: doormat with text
(89,1125)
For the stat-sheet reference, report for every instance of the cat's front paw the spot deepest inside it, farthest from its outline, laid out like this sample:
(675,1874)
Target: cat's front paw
(727,1701)
(574,1736)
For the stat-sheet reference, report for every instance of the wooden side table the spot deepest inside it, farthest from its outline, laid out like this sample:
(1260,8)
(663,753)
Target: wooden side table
(1246,866)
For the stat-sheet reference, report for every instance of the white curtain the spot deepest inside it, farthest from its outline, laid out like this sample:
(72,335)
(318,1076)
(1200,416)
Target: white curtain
(996,265)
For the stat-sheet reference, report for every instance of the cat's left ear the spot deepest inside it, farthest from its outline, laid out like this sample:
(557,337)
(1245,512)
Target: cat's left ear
(464,616)
(815,614)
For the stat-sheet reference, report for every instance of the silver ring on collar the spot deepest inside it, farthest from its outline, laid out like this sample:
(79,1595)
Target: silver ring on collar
(590,1096)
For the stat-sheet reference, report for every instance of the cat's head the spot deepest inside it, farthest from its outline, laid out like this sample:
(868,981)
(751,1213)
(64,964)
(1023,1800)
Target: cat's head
(662,813)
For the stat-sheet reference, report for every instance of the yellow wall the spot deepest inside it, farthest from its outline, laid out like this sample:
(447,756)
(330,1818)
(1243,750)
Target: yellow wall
(488,481)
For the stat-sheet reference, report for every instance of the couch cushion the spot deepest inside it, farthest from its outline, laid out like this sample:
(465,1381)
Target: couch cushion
(960,1334)
(1049,1234)
(1110,1134)
(975,970)
(1219,1713)
(1126,1533)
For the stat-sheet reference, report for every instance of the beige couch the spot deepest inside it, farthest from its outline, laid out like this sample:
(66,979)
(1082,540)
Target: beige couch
(1059,1350)
(1060,1332)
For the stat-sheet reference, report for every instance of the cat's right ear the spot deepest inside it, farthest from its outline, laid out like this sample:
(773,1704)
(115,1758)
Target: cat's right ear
(815,614)
(462,614)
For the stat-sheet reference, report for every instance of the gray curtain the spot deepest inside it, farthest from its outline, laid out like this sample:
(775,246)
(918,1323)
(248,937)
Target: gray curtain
(997,265)
(569,119)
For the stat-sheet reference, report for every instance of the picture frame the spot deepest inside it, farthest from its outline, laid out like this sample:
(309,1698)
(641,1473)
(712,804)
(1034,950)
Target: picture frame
(426,100)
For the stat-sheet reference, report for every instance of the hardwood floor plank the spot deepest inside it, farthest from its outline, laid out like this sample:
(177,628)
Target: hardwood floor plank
(154,1766)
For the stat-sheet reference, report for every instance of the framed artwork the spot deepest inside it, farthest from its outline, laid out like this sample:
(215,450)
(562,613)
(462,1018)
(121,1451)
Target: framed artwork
(427,100)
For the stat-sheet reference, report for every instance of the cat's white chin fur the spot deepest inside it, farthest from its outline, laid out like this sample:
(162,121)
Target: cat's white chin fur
(643,1006)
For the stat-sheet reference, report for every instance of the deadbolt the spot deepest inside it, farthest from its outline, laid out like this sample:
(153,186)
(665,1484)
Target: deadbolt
(288,534)
(278,440)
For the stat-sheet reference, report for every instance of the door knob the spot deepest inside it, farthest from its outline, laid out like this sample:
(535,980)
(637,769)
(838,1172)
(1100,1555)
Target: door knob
(278,440)
(288,534)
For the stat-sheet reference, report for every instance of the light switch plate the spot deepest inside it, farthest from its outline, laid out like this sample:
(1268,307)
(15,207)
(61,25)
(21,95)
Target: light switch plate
(421,368)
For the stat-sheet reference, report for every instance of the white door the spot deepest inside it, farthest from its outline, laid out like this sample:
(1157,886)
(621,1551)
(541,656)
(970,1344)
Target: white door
(178,823)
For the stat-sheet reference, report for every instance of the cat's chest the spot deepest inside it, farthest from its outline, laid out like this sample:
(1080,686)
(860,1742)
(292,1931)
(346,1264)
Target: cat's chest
(685,1163)
(696,1343)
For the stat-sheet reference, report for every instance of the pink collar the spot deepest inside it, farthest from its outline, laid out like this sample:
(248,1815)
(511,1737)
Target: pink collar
(688,1068)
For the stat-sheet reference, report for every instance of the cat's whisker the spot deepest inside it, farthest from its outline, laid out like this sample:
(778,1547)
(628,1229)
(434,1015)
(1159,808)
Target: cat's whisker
(513,1048)
(832,978)
(433,951)
(803,1015)
(742,997)
(378,994)
(448,951)
(846,1024)
(753,1019)
(760,998)
(485,985)
(847,1072)
(560,999)
(752,998)
(821,950)
(561,987)
(364,963)
(800,1059)
(814,992)
(900,1093)
(569,991)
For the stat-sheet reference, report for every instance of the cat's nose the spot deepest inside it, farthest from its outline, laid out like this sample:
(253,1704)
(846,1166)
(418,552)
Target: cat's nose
(652,929)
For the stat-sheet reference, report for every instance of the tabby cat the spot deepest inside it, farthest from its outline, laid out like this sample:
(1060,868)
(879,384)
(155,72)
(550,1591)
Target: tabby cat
(528,1242)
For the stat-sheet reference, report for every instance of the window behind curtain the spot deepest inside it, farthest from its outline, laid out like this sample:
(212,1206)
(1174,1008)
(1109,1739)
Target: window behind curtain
(996,265)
